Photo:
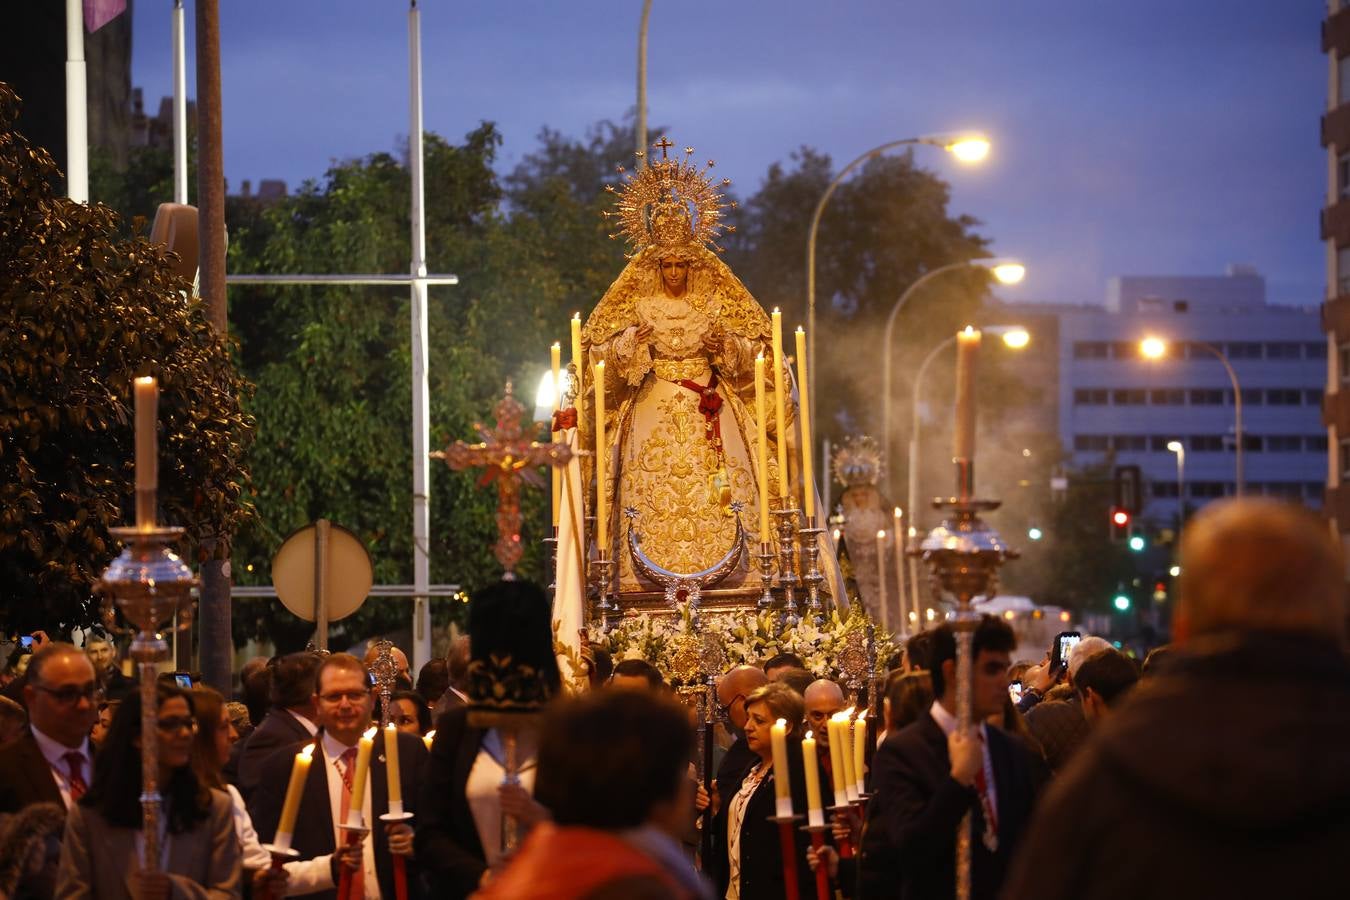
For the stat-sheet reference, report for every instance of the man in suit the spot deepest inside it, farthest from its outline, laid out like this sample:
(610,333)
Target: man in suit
(343,700)
(928,775)
(51,762)
(103,655)
(457,661)
(732,689)
(292,718)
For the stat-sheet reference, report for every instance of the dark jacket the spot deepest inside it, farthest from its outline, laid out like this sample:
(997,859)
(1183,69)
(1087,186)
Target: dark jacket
(909,842)
(314,826)
(277,729)
(1227,775)
(761,847)
(447,838)
(25,776)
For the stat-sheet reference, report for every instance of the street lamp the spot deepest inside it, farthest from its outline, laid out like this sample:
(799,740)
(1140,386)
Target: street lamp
(967,148)
(1014,337)
(1180,450)
(1155,348)
(1006,271)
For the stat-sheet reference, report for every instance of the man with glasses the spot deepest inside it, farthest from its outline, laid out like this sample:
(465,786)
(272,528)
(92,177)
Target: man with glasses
(51,762)
(344,702)
(732,690)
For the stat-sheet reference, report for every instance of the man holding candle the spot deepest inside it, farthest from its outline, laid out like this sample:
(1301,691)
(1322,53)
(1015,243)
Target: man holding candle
(932,773)
(344,702)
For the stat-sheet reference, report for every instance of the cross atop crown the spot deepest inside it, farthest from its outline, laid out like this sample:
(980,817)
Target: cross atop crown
(663,145)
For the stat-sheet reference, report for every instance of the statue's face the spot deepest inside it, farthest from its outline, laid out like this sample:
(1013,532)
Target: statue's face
(674,275)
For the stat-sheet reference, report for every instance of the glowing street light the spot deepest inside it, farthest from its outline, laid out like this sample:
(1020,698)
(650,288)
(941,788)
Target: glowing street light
(1121,602)
(1153,347)
(969,149)
(1009,272)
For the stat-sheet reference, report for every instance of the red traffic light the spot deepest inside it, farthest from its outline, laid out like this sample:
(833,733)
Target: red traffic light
(1120,518)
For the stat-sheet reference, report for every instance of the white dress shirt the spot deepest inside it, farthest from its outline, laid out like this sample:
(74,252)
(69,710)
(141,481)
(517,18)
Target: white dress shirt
(332,752)
(55,754)
(947,722)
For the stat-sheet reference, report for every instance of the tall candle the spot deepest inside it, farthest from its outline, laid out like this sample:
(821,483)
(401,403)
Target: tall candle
(845,736)
(780,406)
(782,784)
(601,463)
(900,600)
(804,417)
(761,424)
(815,818)
(290,807)
(555,473)
(860,752)
(576,344)
(881,581)
(967,352)
(147,450)
(836,761)
(359,772)
(391,766)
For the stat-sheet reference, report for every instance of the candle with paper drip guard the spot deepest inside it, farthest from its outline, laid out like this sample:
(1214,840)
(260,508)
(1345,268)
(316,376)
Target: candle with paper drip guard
(147,451)
(391,766)
(815,816)
(360,770)
(290,807)
(782,784)
(967,354)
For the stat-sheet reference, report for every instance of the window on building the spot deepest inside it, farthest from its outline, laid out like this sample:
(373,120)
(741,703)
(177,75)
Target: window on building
(1284,350)
(1315,351)
(1316,443)
(1206,443)
(1284,397)
(1343,166)
(1206,490)
(1168,397)
(1129,397)
(1312,397)
(1243,350)
(1158,443)
(1091,442)
(1124,350)
(1252,396)
(1096,349)
(1283,443)
(1207,397)
(1130,442)
(1164,489)
(1090,396)
(1289,490)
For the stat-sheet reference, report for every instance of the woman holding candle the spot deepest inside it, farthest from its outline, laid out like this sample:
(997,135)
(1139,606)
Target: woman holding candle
(100,854)
(748,856)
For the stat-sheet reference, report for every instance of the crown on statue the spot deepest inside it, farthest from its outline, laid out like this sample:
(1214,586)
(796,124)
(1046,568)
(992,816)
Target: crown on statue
(670,204)
(858,462)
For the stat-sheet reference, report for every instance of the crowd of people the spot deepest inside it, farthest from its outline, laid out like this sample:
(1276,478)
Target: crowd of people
(1215,768)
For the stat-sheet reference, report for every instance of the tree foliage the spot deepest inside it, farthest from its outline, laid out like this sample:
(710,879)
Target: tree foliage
(83,311)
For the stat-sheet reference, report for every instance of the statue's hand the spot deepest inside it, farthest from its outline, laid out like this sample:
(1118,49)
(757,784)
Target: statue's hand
(643,334)
(712,341)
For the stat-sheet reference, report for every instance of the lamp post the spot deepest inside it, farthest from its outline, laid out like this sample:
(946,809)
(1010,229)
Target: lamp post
(1155,348)
(1014,337)
(640,128)
(968,148)
(1006,271)
(1180,450)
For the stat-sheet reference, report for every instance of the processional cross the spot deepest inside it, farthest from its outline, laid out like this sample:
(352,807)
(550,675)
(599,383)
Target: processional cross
(509,456)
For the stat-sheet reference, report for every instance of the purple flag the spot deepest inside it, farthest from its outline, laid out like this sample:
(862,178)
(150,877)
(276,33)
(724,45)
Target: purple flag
(98,13)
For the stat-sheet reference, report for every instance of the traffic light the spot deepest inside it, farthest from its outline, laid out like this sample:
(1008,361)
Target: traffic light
(1120,523)
(1121,602)
(1137,543)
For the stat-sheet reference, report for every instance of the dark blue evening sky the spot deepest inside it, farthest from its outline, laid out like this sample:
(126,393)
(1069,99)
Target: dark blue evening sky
(1146,137)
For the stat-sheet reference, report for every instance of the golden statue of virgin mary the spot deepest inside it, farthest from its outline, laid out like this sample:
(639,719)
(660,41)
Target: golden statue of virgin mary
(679,334)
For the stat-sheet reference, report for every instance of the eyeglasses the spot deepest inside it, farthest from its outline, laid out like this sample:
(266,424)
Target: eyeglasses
(70,695)
(336,697)
(175,724)
(724,709)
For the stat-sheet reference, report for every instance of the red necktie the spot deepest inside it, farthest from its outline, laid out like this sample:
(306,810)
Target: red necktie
(986,806)
(75,766)
(347,768)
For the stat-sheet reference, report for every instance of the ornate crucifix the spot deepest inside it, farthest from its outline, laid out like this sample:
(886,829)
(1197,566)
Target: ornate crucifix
(509,456)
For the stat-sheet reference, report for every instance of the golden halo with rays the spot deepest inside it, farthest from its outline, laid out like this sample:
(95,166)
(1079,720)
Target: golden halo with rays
(670,203)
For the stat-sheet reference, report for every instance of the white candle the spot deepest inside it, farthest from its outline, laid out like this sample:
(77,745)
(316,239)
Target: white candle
(576,344)
(355,817)
(601,460)
(146,392)
(555,473)
(836,761)
(762,457)
(845,737)
(782,785)
(290,807)
(780,406)
(881,582)
(815,817)
(391,765)
(967,352)
(860,752)
(900,600)
(804,416)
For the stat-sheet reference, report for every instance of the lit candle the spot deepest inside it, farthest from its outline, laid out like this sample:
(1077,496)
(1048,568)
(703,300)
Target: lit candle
(881,581)
(836,761)
(967,351)
(391,766)
(761,422)
(782,785)
(576,343)
(815,818)
(900,567)
(555,474)
(147,451)
(290,808)
(601,460)
(845,734)
(804,417)
(362,768)
(429,738)
(860,752)
(780,406)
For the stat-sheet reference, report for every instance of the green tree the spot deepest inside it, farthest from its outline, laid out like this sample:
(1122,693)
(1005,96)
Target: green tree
(83,311)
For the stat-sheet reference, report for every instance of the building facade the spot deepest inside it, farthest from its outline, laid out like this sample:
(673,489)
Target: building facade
(1335,233)
(1116,404)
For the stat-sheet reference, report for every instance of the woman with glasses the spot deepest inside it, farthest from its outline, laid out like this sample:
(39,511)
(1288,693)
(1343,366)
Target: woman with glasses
(103,845)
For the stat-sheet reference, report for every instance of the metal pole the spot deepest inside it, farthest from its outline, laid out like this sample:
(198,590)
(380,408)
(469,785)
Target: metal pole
(1237,410)
(217,639)
(421,409)
(915,522)
(321,531)
(180,155)
(1181,487)
(77,106)
(641,129)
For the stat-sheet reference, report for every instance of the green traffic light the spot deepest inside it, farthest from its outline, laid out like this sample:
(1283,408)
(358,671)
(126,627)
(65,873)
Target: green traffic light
(1122,602)
(1136,543)
(1035,534)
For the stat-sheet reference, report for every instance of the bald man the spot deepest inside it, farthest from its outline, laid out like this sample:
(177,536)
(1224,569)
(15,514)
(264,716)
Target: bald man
(400,665)
(732,690)
(1229,765)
